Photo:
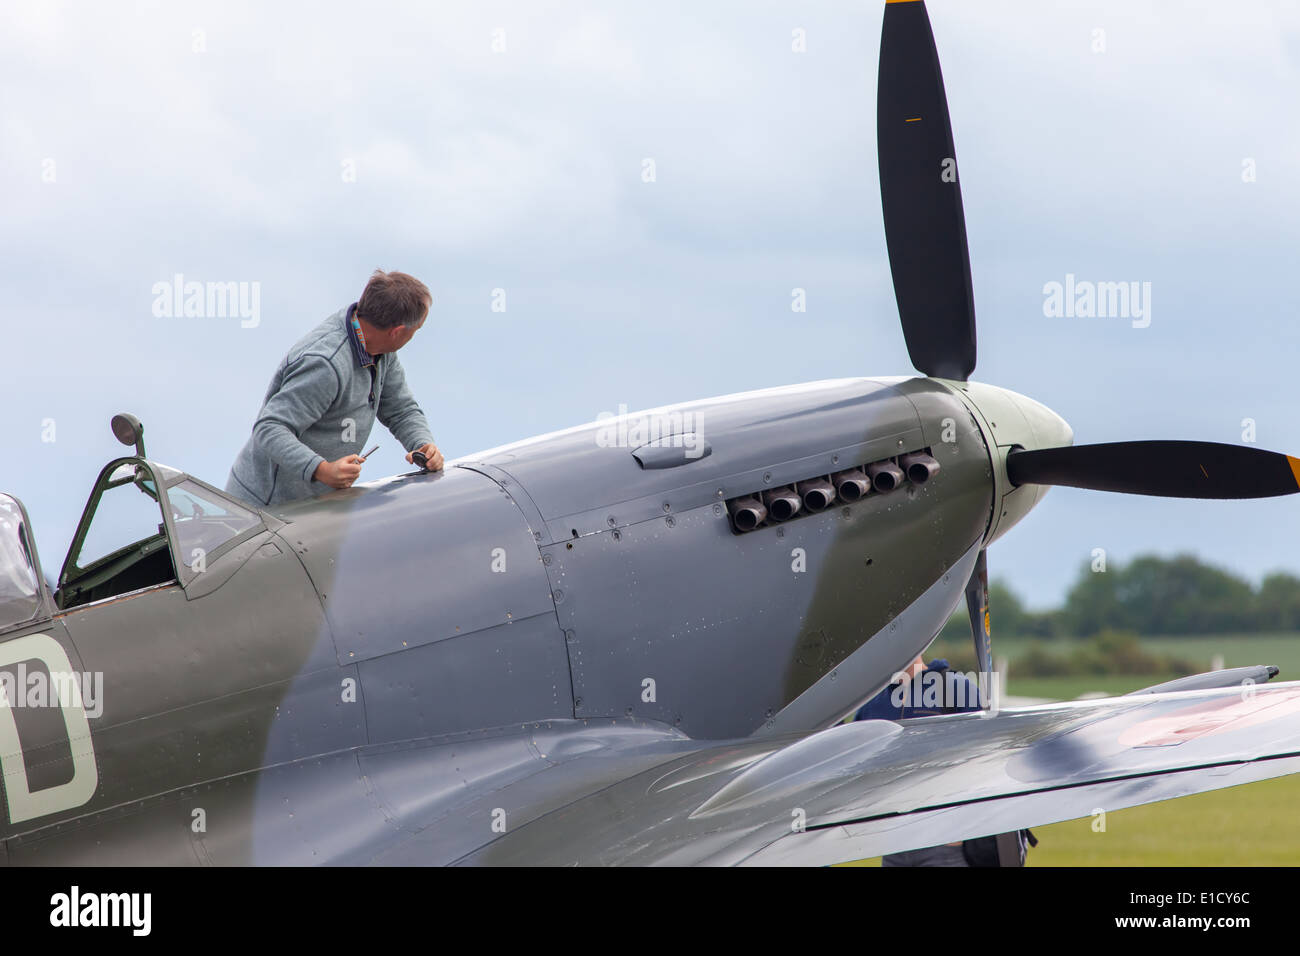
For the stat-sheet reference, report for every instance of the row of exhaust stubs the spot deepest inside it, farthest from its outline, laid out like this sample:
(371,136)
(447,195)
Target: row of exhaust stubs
(817,494)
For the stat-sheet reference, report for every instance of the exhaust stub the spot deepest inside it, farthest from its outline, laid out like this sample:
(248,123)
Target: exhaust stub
(747,513)
(817,493)
(782,503)
(919,467)
(851,484)
(885,475)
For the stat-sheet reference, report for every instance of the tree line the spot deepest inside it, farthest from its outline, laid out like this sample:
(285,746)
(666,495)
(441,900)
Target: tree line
(1150,595)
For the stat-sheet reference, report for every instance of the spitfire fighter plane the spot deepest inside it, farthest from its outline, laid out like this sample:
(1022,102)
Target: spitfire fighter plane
(581,650)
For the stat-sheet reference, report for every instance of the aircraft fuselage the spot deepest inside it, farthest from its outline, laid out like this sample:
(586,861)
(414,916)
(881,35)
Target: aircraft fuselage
(567,577)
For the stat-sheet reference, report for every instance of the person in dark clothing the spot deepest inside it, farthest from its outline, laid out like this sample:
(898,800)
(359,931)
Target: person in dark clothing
(933,689)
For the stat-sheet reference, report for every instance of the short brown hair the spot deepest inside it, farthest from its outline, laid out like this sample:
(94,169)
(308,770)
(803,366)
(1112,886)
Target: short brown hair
(391,299)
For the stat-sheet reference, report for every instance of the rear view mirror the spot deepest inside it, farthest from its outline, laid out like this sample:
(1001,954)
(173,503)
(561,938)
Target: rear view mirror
(128,430)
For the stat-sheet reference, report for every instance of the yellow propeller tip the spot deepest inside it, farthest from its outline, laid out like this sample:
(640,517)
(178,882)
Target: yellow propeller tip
(1295,469)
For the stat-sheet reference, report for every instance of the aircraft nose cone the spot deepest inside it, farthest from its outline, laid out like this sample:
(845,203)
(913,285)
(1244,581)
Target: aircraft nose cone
(1012,421)
(1016,419)
(1047,429)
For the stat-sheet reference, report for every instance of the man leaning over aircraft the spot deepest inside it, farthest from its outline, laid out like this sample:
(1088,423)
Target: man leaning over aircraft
(327,393)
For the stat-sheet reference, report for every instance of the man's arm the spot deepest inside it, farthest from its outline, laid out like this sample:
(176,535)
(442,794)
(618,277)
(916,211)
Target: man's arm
(306,392)
(399,412)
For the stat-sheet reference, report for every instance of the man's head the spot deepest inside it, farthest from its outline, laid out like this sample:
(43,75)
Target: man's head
(392,308)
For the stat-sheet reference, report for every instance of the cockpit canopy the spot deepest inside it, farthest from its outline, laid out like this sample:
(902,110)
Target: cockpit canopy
(148,524)
(145,525)
(21,597)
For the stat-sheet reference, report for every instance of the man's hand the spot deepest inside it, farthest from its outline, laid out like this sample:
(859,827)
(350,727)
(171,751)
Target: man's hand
(341,473)
(432,456)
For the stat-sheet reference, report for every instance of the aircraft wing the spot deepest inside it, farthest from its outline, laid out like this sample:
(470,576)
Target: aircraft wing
(628,791)
(872,787)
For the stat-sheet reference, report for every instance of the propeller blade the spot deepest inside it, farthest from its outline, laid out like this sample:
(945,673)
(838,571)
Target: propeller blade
(1170,469)
(925,229)
(977,606)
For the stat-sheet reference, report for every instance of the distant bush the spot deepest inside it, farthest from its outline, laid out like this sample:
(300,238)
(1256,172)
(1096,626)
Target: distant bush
(1108,653)
(1151,596)
(1038,661)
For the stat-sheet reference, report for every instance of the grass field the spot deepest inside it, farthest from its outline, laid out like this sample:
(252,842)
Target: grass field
(1251,825)
(1237,650)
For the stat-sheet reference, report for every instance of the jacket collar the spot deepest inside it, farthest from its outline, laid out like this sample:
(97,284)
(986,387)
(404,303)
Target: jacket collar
(357,338)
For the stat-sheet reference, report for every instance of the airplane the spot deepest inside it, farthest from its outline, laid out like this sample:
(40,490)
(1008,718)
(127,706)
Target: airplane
(630,642)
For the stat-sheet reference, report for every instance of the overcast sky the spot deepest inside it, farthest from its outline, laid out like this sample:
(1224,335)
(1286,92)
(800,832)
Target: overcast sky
(488,146)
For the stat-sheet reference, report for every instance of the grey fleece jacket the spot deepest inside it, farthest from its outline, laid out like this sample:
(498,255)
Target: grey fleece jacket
(319,407)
